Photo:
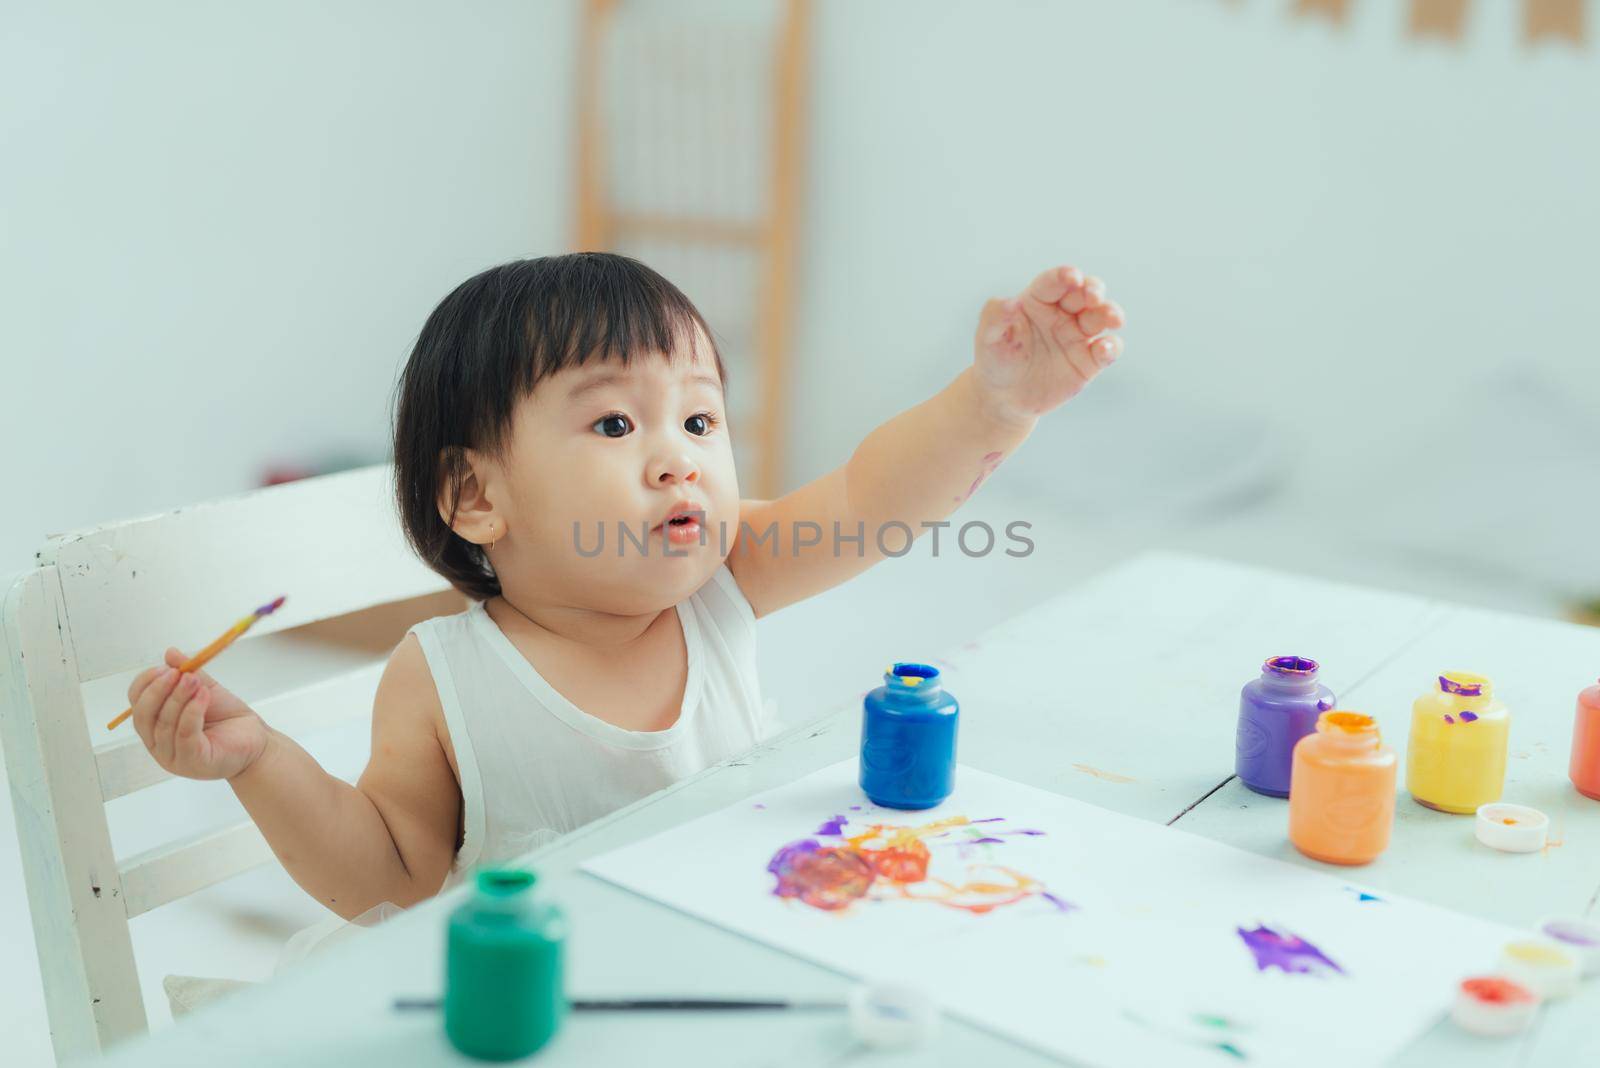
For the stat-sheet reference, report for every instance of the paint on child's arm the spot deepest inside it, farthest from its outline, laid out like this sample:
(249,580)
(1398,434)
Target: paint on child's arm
(990,462)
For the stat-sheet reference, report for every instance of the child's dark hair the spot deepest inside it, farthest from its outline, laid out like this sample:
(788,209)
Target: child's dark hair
(485,347)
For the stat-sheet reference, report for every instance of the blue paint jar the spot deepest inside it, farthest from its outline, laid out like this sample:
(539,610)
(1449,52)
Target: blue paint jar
(908,739)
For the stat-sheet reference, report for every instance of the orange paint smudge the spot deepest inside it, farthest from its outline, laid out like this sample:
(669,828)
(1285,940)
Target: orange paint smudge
(1108,776)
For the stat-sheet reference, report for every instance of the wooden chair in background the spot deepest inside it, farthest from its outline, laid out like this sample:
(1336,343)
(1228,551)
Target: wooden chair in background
(690,132)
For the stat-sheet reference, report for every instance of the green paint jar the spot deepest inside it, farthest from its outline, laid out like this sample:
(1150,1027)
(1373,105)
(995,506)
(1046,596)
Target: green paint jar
(504,996)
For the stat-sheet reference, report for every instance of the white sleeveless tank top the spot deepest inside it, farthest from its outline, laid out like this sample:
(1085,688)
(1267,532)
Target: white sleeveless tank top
(534,766)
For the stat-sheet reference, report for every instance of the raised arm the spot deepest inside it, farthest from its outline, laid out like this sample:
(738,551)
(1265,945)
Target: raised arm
(1031,354)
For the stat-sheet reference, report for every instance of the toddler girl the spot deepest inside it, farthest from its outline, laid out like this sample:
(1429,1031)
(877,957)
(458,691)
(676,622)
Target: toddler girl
(561,456)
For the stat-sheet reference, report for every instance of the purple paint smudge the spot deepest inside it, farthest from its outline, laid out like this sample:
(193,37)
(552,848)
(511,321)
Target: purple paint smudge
(987,841)
(989,819)
(833,827)
(855,808)
(760,805)
(786,856)
(990,462)
(1448,718)
(1468,717)
(1289,953)
(1465,689)
(1064,906)
(1565,933)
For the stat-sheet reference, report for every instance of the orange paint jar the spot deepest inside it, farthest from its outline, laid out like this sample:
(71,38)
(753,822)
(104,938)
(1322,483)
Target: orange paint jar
(1585,767)
(1341,790)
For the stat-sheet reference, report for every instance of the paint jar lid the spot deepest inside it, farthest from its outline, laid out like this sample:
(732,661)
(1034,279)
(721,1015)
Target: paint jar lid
(1581,938)
(1494,1005)
(1512,828)
(892,1016)
(908,675)
(1540,965)
(1465,684)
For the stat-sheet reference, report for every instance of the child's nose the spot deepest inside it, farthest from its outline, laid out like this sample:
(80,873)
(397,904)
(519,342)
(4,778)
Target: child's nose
(672,469)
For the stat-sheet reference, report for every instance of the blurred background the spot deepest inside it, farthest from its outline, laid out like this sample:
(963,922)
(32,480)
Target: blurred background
(1355,240)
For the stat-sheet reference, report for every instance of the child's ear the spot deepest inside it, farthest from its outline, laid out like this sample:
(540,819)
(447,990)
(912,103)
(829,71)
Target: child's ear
(464,497)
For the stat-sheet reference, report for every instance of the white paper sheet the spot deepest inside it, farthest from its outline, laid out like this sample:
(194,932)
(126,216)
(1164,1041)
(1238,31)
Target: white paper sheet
(1106,938)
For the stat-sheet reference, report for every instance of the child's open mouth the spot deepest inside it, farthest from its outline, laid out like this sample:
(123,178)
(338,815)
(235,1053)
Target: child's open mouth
(682,528)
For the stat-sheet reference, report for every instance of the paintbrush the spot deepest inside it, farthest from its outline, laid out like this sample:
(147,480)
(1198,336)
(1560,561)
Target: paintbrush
(198,660)
(657,1005)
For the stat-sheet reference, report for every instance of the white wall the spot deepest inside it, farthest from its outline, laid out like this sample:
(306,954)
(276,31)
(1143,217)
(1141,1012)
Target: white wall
(1331,225)
(225,223)
(1381,250)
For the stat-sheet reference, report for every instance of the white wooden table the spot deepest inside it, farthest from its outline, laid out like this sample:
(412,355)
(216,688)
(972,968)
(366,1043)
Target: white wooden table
(1122,693)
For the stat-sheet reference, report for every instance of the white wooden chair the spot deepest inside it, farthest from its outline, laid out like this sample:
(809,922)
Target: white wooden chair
(110,600)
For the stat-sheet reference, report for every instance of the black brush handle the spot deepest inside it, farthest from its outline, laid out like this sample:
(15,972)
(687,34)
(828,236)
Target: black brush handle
(653,1005)
(680,1005)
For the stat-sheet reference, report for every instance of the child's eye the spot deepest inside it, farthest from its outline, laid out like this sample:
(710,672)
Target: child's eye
(700,423)
(613,425)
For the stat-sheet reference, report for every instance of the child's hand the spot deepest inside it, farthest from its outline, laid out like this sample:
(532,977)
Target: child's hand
(1036,351)
(192,726)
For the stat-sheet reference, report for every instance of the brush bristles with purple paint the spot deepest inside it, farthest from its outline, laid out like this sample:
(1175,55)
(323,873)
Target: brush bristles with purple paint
(199,660)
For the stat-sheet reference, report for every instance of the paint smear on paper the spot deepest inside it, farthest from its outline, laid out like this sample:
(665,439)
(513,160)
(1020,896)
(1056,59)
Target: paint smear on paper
(1198,1029)
(890,862)
(823,877)
(1108,776)
(1288,953)
(833,826)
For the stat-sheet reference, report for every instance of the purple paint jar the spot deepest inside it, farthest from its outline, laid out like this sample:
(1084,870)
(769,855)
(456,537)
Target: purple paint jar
(1275,712)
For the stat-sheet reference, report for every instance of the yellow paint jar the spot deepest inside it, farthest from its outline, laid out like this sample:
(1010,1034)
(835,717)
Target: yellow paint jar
(1456,759)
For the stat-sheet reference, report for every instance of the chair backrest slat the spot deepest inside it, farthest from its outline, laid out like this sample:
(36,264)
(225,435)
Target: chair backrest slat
(164,874)
(91,984)
(332,545)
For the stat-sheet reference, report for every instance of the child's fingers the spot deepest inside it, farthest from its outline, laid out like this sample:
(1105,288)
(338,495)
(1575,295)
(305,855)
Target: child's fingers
(1054,284)
(1105,350)
(1074,301)
(140,682)
(148,706)
(166,726)
(1080,356)
(1065,329)
(191,725)
(177,658)
(1094,292)
(1098,320)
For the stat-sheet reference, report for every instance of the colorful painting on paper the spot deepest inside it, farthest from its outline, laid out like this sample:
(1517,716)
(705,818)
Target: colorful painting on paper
(890,862)
(1098,937)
